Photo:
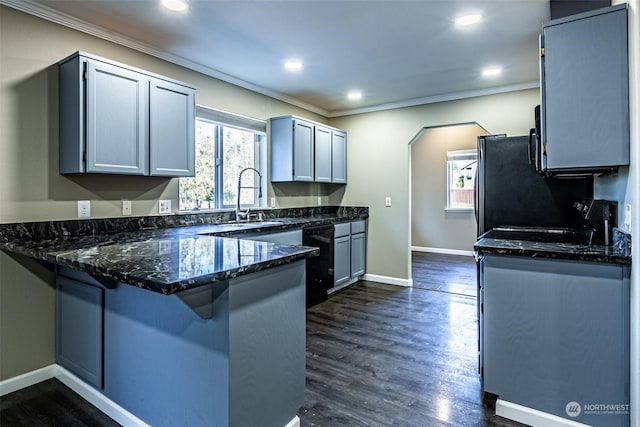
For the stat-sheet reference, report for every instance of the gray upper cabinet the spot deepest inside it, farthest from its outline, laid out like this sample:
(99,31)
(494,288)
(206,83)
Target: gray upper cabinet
(322,143)
(585,93)
(292,151)
(116,96)
(172,112)
(122,120)
(338,157)
(302,150)
(302,169)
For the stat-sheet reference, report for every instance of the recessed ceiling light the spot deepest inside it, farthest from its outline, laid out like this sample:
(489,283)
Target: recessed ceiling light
(491,72)
(468,19)
(293,65)
(175,5)
(354,95)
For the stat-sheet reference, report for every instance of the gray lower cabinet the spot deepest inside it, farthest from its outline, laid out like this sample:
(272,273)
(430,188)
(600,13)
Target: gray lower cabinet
(122,120)
(555,332)
(349,253)
(306,151)
(358,248)
(79,329)
(584,90)
(341,260)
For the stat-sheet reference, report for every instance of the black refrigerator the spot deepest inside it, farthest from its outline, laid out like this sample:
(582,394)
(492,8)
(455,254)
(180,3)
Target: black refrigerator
(509,191)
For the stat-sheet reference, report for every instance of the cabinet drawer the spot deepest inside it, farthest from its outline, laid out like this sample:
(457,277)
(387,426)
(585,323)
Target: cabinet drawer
(342,229)
(358,227)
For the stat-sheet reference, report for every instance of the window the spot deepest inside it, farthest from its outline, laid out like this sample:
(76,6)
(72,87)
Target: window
(226,143)
(461,179)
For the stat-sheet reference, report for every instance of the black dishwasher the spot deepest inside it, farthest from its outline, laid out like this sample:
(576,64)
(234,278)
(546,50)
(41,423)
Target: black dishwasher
(320,268)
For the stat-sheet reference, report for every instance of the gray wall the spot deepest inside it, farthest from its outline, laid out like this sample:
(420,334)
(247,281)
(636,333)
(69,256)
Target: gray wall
(378,152)
(431,225)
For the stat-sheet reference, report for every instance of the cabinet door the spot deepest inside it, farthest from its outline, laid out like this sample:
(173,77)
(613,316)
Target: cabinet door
(547,322)
(79,328)
(322,150)
(338,157)
(341,260)
(172,129)
(303,151)
(117,120)
(585,92)
(358,254)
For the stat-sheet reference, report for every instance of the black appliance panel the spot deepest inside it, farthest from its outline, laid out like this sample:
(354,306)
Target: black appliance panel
(512,193)
(320,268)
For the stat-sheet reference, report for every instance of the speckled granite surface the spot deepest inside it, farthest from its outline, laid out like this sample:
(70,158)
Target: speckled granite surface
(167,253)
(534,243)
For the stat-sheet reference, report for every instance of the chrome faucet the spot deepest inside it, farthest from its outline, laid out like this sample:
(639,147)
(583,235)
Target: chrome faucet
(240,214)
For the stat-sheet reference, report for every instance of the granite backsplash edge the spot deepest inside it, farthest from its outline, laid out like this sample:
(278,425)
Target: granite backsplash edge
(88,227)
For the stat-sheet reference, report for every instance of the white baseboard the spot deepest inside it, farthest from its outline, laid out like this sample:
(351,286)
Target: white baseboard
(441,251)
(388,280)
(342,286)
(87,392)
(532,417)
(27,380)
(99,400)
(295,422)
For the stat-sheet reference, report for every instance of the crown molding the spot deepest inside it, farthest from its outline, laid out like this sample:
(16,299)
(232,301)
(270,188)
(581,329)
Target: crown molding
(49,14)
(438,98)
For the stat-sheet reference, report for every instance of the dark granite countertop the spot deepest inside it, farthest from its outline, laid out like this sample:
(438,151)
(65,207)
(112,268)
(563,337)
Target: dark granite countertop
(545,243)
(170,256)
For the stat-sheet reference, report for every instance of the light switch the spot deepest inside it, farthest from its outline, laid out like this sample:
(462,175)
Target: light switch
(387,201)
(164,206)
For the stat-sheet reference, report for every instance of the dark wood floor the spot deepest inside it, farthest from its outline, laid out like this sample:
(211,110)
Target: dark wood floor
(445,273)
(380,355)
(50,403)
(377,355)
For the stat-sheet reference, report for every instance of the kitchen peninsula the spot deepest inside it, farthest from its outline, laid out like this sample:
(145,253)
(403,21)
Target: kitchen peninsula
(179,319)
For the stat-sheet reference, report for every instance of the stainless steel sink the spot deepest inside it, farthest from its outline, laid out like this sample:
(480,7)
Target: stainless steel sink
(251,224)
(260,223)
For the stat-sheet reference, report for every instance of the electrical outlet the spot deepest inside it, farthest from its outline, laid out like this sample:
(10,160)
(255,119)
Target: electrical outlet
(319,200)
(84,209)
(273,202)
(387,201)
(126,207)
(164,206)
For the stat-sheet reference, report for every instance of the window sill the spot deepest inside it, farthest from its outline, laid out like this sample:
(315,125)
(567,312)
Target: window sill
(459,210)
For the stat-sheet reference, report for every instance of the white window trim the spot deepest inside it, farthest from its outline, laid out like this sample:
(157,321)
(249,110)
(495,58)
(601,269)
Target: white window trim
(238,121)
(471,155)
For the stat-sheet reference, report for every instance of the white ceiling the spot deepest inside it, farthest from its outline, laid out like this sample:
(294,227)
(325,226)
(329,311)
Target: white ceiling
(397,52)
